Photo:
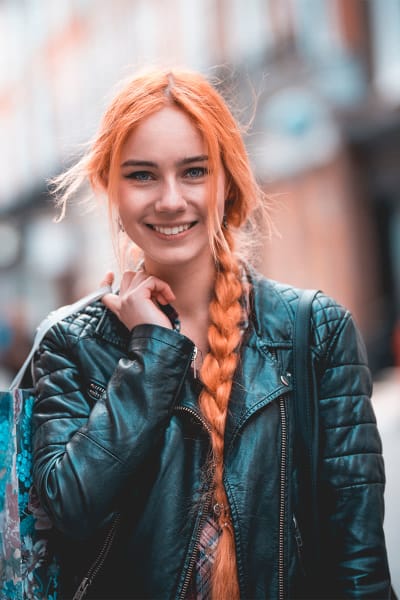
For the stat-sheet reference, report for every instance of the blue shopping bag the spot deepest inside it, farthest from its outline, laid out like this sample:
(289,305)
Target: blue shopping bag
(28,566)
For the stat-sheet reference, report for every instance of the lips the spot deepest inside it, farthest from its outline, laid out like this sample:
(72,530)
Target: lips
(172,229)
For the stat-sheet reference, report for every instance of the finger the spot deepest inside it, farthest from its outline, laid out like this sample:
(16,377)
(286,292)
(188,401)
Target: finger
(109,300)
(112,302)
(108,279)
(161,299)
(158,289)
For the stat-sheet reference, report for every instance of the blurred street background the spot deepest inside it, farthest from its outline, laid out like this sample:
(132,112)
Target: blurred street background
(323,78)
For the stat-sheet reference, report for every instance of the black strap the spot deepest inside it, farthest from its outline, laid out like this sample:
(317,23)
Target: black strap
(306,419)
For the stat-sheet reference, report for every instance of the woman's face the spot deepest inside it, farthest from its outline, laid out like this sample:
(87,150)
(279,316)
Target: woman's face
(163,189)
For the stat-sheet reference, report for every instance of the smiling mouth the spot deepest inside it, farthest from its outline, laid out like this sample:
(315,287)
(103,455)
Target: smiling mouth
(172,230)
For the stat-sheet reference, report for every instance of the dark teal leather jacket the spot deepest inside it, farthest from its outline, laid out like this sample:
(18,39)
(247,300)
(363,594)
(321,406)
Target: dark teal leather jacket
(118,430)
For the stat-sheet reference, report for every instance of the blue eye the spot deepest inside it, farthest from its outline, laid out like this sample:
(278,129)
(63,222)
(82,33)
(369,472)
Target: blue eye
(140,175)
(196,172)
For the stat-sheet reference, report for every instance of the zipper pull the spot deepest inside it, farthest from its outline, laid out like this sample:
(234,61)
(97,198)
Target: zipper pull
(194,356)
(82,589)
(297,534)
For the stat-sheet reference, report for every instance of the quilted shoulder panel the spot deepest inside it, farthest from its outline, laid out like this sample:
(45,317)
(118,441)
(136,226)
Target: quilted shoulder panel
(83,323)
(328,316)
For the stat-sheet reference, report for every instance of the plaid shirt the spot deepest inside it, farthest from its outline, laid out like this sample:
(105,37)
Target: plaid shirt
(200,586)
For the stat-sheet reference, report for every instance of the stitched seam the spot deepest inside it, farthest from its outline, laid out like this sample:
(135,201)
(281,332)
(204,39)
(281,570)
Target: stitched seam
(351,454)
(58,337)
(329,428)
(64,418)
(358,485)
(286,303)
(142,337)
(341,396)
(101,447)
(63,392)
(341,325)
(327,320)
(345,364)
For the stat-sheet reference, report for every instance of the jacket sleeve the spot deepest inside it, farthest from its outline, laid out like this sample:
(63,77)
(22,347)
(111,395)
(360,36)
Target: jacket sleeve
(83,457)
(352,470)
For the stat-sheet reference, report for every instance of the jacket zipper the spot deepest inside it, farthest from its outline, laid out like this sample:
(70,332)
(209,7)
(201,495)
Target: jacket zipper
(282,512)
(194,414)
(99,561)
(206,507)
(189,572)
(282,490)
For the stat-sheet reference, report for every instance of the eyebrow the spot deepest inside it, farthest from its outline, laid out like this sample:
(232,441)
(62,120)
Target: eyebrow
(180,163)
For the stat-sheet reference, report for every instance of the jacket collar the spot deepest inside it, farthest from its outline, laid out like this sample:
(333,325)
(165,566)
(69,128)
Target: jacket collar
(271,312)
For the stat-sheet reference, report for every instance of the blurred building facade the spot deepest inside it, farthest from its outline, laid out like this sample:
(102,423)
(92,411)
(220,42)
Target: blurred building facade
(325,140)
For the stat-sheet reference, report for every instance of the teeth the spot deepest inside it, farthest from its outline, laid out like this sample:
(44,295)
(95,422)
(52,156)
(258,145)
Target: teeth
(171,230)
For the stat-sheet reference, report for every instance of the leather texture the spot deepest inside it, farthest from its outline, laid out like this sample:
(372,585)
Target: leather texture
(117,428)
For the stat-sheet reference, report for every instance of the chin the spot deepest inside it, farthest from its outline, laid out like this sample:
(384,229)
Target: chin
(175,258)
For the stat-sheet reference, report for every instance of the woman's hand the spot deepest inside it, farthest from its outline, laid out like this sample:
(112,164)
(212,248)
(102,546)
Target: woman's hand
(136,302)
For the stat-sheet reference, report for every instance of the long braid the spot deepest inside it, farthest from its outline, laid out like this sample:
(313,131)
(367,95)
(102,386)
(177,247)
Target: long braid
(217,374)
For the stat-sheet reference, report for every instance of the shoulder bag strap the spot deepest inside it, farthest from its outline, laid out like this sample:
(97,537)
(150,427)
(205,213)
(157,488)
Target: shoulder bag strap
(306,409)
(54,317)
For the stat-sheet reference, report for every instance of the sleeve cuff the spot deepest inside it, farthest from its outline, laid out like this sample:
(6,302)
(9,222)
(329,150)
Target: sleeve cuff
(144,336)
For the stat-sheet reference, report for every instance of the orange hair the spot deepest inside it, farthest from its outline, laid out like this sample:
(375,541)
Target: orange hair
(195,96)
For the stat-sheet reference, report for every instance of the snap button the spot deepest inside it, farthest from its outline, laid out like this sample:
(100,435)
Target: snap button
(285,378)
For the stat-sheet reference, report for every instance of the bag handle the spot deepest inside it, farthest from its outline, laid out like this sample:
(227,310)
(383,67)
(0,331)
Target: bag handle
(52,318)
(306,410)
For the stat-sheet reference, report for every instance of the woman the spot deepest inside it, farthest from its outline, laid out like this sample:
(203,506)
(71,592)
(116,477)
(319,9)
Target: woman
(169,404)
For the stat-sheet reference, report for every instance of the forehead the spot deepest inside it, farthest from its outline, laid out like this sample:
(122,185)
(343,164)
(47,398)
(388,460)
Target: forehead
(167,132)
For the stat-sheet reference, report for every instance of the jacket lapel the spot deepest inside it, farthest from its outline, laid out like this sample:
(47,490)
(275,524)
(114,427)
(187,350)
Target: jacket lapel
(259,380)
(261,377)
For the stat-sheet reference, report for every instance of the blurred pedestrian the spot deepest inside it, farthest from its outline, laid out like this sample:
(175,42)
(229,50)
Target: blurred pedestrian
(164,415)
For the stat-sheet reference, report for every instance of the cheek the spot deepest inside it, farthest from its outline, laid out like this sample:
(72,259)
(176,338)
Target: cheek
(121,196)
(128,201)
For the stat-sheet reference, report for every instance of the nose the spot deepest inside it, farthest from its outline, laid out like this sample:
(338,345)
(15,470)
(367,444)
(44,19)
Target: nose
(171,198)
